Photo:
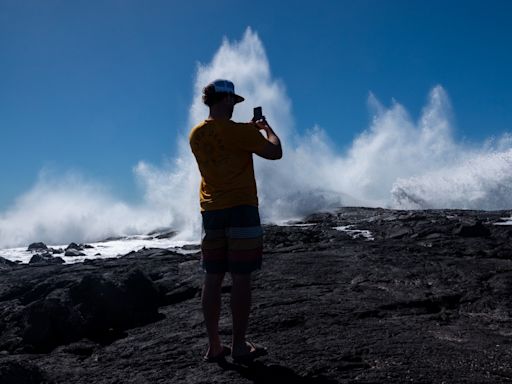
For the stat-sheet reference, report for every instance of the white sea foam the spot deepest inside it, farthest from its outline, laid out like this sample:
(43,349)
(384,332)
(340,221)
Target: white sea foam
(355,233)
(103,249)
(398,162)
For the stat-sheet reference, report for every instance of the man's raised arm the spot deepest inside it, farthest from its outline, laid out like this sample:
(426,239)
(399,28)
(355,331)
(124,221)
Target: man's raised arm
(272,150)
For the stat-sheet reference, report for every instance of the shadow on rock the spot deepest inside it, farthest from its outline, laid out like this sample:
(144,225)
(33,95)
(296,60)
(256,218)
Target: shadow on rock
(99,307)
(260,373)
(14,372)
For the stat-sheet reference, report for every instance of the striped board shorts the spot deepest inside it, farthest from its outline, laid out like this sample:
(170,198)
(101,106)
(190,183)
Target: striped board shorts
(232,240)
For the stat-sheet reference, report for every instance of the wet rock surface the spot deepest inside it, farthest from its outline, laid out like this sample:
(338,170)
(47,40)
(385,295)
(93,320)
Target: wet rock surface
(425,297)
(46,257)
(4,263)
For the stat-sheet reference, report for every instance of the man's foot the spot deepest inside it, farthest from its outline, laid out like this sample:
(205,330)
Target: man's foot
(218,357)
(250,352)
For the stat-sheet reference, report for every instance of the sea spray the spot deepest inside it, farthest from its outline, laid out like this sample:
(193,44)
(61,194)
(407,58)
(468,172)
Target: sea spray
(397,162)
(482,181)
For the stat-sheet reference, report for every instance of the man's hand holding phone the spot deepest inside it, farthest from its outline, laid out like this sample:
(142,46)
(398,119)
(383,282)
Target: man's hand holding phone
(257,114)
(260,120)
(273,150)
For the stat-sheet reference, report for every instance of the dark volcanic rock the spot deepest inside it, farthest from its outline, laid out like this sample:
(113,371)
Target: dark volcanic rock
(166,235)
(36,247)
(74,246)
(161,233)
(49,322)
(399,232)
(47,258)
(113,238)
(420,303)
(73,253)
(109,303)
(15,372)
(60,309)
(6,263)
(191,247)
(472,229)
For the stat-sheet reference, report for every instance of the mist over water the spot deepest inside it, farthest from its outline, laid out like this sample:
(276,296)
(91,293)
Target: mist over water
(61,209)
(397,163)
(480,181)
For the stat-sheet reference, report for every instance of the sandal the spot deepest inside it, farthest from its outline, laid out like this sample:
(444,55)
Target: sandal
(255,352)
(226,351)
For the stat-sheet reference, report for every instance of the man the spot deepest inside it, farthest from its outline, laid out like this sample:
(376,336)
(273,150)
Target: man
(232,235)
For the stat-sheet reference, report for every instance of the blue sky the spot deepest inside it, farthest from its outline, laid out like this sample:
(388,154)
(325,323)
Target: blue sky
(94,87)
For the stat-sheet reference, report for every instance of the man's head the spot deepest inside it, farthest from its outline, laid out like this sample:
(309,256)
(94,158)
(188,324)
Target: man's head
(221,93)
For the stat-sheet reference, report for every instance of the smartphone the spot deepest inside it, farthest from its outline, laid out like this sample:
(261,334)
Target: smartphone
(258,114)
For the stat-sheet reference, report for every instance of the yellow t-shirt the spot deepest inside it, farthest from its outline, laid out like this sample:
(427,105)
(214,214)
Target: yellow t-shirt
(223,150)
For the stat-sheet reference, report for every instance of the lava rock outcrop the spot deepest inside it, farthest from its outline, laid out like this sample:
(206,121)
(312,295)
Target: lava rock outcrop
(355,295)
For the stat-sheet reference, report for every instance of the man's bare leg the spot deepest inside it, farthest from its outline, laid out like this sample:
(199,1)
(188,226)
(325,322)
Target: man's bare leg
(240,308)
(211,302)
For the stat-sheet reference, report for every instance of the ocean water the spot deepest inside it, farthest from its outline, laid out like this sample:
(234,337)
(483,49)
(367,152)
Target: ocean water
(398,161)
(105,249)
(117,247)
(113,248)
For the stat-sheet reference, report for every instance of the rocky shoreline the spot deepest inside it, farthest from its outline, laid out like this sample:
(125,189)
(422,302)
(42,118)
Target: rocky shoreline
(359,295)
